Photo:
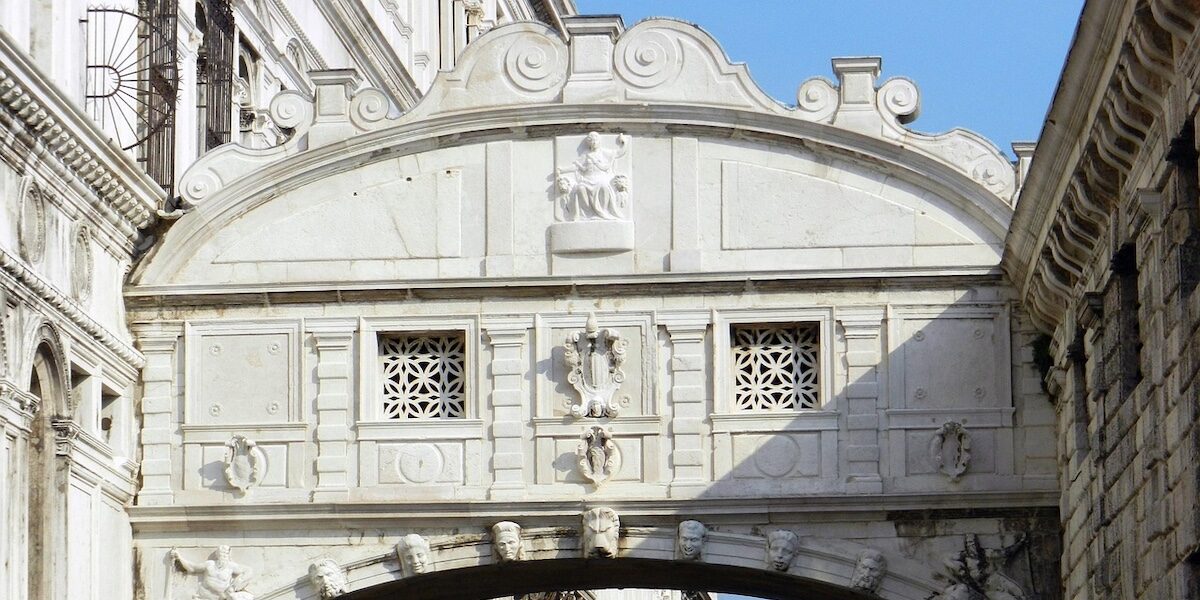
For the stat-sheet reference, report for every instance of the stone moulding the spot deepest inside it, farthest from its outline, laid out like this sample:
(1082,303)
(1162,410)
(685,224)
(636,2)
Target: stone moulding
(69,308)
(128,196)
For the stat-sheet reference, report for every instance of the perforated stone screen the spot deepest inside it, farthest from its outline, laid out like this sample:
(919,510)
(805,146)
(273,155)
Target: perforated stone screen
(775,366)
(424,376)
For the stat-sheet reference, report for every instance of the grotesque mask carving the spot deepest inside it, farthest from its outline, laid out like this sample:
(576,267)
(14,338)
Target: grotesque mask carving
(868,572)
(601,528)
(506,541)
(328,579)
(782,546)
(413,553)
(689,542)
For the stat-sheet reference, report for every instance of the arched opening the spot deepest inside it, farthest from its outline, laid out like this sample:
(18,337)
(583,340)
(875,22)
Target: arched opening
(46,501)
(521,578)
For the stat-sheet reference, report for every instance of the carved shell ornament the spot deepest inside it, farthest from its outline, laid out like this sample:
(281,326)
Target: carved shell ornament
(593,358)
(950,449)
(598,456)
(245,463)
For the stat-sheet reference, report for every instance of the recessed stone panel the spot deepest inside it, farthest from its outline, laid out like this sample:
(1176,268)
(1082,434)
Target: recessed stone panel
(778,456)
(242,379)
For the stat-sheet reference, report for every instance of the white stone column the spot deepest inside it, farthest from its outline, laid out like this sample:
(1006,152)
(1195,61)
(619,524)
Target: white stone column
(691,392)
(334,360)
(508,338)
(864,348)
(157,343)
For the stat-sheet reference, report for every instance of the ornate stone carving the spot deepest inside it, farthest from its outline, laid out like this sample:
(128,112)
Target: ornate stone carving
(328,579)
(868,571)
(245,463)
(506,542)
(593,358)
(599,532)
(81,263)
(220,577)
(689,540)
(595,192)
(782,546)
(598,456)
(534,63)
(65,433)
(950,449)
(973,573)
(31,229)
(413,553)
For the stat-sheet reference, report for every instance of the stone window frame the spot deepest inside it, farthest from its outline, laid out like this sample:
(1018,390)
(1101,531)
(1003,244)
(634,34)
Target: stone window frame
(370,376)
(723,363)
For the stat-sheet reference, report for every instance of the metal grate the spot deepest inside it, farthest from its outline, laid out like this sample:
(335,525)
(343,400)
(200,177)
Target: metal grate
(776,366)
(424,376)
(215,72)
(131,81)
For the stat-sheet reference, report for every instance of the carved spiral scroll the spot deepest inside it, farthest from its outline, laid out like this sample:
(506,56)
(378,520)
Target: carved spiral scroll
(369,105)
(900,98)
(196,187)
(816,99)
(534,63)
(648,59)
(291,110)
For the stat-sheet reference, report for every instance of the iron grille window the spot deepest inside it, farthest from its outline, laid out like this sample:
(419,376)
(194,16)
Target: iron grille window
(776,366)
(424,376)
(214,71)
(131,81)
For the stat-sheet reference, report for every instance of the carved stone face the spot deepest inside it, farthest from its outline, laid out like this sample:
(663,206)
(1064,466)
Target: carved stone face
(781,549)
(592,140)
(690,540)
(327,579)
(506,541)
(868,572)
(223,553)
(413,553)
(600,530)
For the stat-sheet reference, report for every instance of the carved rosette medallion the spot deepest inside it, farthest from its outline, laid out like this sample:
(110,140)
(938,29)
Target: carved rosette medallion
(31,229)
(593,201)
(950,449)
(245,463)
(81,264)
(593,358)
(598,456)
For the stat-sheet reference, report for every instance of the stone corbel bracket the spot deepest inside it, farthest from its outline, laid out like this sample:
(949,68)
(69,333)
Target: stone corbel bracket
(337,113)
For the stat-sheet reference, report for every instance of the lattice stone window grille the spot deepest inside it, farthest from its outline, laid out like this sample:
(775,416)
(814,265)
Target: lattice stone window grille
(775,366)
(424,375)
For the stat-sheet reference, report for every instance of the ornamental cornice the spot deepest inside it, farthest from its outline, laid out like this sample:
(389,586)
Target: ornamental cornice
(128,196)
(1108,129)
(520,75)
(67,307)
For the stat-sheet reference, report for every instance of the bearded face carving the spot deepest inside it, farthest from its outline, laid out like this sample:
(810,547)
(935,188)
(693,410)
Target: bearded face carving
(328,579)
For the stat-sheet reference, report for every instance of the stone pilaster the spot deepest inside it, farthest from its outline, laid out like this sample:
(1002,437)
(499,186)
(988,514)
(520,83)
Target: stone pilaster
(334,359)
(863,327)
(157,343)
(508,338)
(690,400)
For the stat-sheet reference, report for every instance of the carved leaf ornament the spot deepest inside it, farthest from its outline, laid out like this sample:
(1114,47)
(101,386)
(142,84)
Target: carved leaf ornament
(950,449)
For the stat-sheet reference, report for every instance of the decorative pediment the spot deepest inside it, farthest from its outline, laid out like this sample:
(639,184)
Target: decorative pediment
(658,62)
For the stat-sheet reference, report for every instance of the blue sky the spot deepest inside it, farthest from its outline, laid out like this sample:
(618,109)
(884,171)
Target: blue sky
(989,66)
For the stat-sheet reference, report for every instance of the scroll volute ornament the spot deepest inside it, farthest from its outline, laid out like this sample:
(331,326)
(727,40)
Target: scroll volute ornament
(245,463)
(950,449)
(593,358)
